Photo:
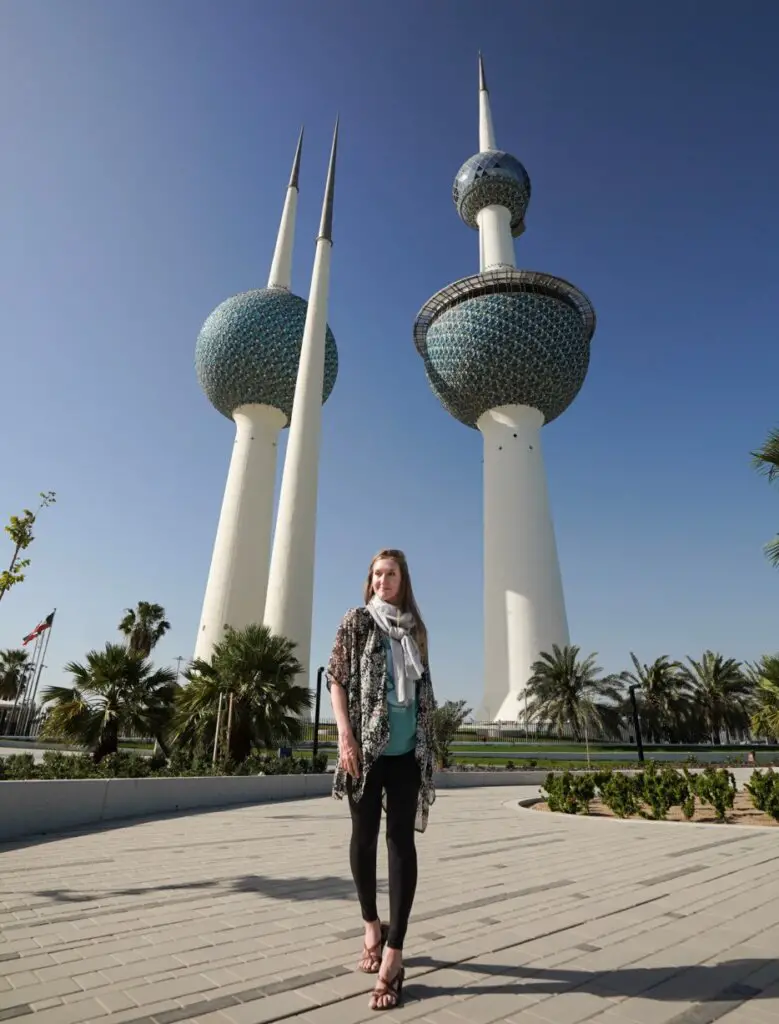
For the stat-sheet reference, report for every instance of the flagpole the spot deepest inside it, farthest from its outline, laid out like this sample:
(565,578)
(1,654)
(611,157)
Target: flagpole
(42,659)
(24,710)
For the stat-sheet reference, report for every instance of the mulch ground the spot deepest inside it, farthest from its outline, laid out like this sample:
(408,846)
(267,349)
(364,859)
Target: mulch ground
(743,813)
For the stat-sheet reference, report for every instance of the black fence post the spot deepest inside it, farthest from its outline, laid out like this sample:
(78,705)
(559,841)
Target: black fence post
(317,707)
(636,723)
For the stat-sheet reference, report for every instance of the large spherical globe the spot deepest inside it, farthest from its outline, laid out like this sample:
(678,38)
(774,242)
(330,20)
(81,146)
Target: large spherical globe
(507,349)
(492,178)
(249,348)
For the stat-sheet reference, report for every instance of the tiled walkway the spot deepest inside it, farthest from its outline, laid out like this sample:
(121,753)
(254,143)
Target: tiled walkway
(248,916)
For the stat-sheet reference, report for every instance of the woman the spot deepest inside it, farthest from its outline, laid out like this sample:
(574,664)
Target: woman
(383,701)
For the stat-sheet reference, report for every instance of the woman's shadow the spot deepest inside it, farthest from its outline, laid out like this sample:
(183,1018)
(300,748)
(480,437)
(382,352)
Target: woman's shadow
(727,982)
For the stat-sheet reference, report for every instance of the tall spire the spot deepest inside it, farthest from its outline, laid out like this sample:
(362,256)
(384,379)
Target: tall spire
(289,603)
(326,223)
(293,178)
(281,267)
(486,129)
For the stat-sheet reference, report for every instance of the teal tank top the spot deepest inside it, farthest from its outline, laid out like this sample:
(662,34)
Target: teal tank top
(402,720)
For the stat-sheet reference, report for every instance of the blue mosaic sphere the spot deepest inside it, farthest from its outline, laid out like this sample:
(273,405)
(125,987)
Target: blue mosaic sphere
(492,178)
(249,348)
(507,349)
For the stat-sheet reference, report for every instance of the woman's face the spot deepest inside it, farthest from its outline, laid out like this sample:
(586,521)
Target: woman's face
(385,578)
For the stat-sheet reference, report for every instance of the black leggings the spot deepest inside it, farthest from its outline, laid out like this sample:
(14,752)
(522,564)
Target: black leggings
(400,777)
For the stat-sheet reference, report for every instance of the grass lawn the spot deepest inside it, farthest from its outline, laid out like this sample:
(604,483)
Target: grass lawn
(564,747)
(546,764)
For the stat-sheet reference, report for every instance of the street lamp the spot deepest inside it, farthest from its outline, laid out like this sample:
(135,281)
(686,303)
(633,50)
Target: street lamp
(636,721)
(317,707)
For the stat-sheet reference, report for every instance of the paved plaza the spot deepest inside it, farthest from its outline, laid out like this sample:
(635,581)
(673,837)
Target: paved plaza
(248,916)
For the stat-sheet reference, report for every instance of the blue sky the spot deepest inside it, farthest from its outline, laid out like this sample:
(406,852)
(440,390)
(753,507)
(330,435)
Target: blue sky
(146,151)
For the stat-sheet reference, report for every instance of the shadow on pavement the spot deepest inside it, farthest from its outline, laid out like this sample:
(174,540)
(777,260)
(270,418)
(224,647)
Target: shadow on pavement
(722,982)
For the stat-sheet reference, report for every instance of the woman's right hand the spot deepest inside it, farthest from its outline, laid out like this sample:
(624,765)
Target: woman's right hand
(349,754)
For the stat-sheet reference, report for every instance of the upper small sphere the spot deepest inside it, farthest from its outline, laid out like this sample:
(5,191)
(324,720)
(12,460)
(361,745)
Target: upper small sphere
(492,178)
(249,348)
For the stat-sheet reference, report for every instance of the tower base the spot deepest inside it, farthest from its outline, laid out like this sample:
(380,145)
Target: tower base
(524,608)
(238,577)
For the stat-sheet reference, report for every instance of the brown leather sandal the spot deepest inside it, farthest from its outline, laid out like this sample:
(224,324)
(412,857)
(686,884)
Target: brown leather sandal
(389,990)
(370,962)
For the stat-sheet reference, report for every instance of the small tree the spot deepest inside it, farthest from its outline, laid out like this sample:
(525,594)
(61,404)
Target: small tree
(19,529)
(765,706)
(721,693)
(447,722)
(14,669)
(116,691)
(569,692)
(256,672)
(144,626)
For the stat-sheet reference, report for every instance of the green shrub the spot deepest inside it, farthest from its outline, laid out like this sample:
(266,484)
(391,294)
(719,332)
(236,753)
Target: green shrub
(620,793)
(18,767)
(569,793)
(57,764)
(123,765)
(662,790)
(760,788)
(763,789)
(717,787)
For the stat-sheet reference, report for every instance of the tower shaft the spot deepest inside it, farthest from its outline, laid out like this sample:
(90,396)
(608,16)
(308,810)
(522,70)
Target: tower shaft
(524,607)
(235,592)
(290,596)
(496,246)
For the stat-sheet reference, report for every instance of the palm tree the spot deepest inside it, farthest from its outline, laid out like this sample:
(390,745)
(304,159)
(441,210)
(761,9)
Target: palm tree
(664,697)
(115,692)
(257,672)
(144,626)
(14,668)
(721,694)
(765,709)
(766,461)
(567,692)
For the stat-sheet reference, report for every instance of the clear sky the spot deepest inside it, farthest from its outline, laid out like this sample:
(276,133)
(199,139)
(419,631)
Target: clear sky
(146,148)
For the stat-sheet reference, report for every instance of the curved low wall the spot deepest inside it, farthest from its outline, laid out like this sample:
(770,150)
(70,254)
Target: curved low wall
(43,806)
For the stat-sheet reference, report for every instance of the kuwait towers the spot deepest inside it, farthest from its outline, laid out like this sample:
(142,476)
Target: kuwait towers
(506,351)
(248,358)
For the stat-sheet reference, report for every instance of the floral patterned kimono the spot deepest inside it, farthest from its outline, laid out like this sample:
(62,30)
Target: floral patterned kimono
(359,664)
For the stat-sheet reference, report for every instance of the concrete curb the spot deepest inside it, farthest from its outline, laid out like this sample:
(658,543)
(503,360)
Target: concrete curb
(51,806)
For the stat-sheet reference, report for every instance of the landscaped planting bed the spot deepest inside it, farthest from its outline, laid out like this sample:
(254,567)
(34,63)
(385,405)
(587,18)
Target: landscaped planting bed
(665,794)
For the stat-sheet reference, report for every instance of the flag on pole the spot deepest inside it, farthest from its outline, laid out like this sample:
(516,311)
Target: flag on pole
(40,628)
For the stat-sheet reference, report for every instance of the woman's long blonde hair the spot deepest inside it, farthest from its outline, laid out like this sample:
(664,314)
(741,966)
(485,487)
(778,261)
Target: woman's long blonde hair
(405,599)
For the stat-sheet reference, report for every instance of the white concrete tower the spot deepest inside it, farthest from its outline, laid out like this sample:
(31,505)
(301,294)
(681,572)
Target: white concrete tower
(246,360)
(290,600)
(506,351)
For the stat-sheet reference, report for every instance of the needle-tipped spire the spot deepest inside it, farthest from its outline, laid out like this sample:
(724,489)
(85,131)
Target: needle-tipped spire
(295,175)
(482,78)
(326,224)
(486,130)
(281,266)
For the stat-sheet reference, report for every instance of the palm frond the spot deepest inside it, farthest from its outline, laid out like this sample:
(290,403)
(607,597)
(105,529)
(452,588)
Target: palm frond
(766,459)
(772,551)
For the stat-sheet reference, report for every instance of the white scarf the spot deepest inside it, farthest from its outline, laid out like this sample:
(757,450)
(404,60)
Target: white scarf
(406,659)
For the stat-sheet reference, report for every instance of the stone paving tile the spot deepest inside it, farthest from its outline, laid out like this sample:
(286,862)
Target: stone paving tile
(248,916)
